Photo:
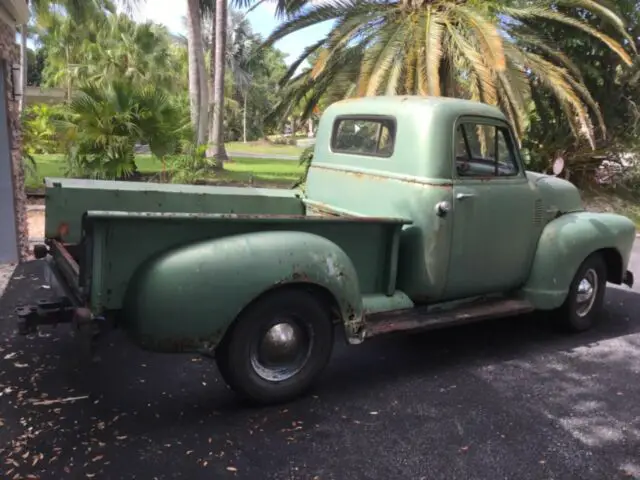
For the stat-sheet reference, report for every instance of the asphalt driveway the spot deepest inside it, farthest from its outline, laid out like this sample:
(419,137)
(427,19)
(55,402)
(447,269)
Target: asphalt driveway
(501,399)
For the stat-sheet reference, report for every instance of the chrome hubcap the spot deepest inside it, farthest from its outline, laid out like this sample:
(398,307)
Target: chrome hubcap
(586,294)
(282,351)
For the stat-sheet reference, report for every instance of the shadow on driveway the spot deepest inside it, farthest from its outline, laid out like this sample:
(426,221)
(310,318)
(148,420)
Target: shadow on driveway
(502,399)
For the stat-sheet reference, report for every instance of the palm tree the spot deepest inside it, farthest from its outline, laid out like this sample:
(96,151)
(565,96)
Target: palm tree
(218,8)
(198,94)
(124,48)
(218,151)
(64,42)
(79,10)
(489,51)
(104,122)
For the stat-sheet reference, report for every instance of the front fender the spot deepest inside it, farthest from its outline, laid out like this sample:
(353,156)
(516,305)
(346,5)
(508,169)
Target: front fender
(186,298)
(565,243)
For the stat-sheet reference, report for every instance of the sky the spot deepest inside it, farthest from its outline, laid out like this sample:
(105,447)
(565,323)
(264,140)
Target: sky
(172,12)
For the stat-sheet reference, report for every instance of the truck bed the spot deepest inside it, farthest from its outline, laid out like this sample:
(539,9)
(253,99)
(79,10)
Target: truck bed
(100,233)
(117,243)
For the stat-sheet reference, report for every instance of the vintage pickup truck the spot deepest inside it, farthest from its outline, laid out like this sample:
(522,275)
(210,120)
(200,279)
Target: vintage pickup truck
(417,213)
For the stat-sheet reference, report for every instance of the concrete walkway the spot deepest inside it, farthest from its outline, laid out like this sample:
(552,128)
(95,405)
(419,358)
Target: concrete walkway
(6,270)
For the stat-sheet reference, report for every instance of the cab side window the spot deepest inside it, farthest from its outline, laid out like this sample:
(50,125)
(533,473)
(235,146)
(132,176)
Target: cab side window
(484,151)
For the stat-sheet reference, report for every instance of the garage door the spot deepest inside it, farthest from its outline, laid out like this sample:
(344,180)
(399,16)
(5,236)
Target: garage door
(8,237)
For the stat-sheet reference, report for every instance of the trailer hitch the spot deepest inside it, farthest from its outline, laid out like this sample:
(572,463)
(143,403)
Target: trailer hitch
(55,312)
(45,312)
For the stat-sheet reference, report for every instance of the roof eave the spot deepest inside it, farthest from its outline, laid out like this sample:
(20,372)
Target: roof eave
(18,10)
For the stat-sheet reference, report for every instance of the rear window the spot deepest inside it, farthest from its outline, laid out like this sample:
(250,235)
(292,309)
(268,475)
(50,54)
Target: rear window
(364,136)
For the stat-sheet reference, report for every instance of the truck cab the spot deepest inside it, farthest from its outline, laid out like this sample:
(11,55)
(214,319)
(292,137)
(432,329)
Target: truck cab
(454,168)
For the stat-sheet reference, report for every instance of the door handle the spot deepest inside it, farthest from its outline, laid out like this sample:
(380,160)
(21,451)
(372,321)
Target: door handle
(462,196)
(442,208)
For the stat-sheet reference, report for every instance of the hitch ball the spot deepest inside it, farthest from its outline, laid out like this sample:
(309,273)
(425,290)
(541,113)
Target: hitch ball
(40,251)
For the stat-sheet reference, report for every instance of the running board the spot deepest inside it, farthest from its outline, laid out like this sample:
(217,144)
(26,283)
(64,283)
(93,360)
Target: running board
(432,317)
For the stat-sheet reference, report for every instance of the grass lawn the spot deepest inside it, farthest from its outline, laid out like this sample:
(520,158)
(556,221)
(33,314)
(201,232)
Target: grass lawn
(620,201)
(263,148)
(243,170)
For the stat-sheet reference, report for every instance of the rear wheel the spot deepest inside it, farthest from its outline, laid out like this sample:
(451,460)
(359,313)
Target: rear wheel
(585,300)
(277,347)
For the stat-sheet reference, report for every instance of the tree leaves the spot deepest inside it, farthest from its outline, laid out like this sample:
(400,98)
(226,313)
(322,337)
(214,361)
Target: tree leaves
(486,51)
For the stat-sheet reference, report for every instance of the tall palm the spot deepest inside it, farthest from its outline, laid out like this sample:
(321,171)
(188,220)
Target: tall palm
(64,43)
(79,10)
(217,150)
(197,74)
(219,38)
(124,48)
(489,51)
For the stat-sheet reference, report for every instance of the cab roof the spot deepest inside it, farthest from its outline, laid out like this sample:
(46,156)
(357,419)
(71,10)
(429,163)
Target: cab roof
(413,105)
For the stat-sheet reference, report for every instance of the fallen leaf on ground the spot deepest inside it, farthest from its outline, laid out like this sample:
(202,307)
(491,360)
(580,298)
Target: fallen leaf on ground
(232,469)
(58,400)
(9,356)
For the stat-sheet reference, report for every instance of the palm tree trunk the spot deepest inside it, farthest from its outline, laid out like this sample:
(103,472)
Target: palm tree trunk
(192,41)
(203,122)
(216,146)
(68,75)
(244,118)
(212,70)
(197,73)
(24,65)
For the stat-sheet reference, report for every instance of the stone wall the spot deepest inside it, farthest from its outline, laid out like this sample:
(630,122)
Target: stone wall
(10,55)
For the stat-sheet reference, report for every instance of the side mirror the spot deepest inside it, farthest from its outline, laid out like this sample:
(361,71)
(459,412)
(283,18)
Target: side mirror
(558,166)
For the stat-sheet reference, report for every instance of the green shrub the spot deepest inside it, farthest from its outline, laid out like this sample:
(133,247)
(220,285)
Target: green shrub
(39,132)
(104,123)
(190,166)
(305,160)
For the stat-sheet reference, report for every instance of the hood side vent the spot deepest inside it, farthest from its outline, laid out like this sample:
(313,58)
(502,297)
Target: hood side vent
(537,212)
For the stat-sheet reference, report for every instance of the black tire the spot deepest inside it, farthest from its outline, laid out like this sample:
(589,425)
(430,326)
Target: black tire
(238,356)
(575,316)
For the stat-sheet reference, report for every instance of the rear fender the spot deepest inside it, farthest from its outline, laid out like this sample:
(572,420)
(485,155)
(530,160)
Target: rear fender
(566,242)
(186,298)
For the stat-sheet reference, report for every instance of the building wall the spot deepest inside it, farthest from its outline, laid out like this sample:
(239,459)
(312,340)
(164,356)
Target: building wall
(10,54)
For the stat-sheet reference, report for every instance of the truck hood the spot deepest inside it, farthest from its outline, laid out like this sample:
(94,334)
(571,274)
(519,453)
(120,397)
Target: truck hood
(556,193)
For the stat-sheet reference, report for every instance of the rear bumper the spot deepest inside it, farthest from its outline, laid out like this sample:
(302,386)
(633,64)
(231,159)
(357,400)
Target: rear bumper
(66,308)
(627,279)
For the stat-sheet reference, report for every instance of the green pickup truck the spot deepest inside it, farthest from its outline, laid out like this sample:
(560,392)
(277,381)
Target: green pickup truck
(417,214)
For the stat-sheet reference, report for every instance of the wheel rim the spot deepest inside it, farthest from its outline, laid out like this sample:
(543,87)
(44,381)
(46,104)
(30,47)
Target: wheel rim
(586,293)
(282,350)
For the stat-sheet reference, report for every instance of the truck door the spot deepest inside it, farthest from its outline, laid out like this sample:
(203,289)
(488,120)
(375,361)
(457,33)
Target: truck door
(493,211)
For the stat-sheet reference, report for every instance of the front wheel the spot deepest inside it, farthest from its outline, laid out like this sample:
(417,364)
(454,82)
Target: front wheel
(277,347)
(585,300)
